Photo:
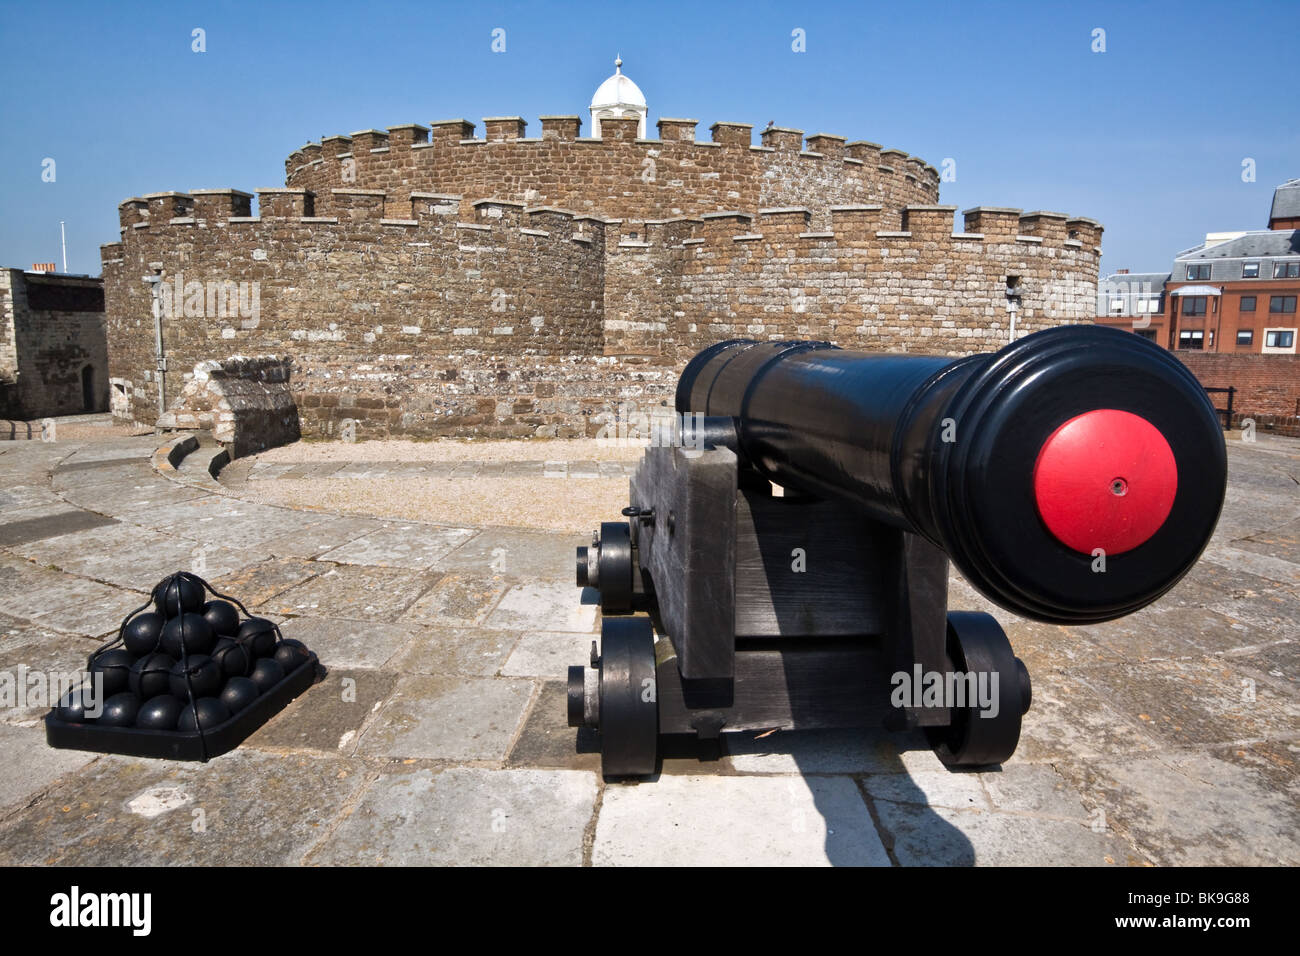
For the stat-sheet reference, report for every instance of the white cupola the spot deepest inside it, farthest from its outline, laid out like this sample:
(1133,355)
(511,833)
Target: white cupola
(618,98)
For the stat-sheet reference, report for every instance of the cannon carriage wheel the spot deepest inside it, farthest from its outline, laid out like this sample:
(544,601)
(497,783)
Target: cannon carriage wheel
(620,698)
(976,642)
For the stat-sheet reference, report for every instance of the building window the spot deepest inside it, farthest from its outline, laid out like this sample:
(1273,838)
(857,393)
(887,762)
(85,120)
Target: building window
(1190,340)
(1149,334)
(1279,338)
(1116,305)
(1281,304)
(1247,303)
(1250,270)
(1194,305)
(1245,337)
(1200,271)
(1286,270)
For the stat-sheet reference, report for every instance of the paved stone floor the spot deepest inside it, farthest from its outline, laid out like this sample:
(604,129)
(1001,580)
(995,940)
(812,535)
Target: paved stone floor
(439,734)
(254,470)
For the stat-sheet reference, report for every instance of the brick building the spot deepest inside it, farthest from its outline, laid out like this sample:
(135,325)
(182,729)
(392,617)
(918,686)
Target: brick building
(1237,295)
(1135,302)
(422,281)
(1228,307)
(53,345)
(1235,292)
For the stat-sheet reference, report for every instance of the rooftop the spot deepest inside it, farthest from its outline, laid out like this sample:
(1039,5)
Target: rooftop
(1155,279)
(1286,201)
(1255,244)
(618,90)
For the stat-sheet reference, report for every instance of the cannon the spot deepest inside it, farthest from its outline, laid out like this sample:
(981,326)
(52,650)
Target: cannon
(784,559)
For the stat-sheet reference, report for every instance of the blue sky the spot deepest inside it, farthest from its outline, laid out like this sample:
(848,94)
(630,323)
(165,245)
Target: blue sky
(1148,137)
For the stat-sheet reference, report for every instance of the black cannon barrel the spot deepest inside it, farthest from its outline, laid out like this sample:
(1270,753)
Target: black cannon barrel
(1073,476)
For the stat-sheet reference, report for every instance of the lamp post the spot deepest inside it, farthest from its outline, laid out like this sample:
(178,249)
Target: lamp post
(155,289)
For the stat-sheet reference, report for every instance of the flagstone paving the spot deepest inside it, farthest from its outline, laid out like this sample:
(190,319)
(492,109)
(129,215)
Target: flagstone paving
(439,732)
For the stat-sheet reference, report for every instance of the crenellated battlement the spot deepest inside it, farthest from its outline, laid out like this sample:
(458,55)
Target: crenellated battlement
(618,174)
(431,215)
(869,226)
(461,132)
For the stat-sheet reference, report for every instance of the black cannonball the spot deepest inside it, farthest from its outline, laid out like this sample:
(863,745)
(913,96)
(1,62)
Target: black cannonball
(258,634)
(211,713)
(159,713)
(150,675)
(267,673)
(236,659)
(142,633)
(197,633)
(72,705)
(222,617)
(120,710)
(238,693)
(291,654)
(178,593)
(115,665)
(205,676)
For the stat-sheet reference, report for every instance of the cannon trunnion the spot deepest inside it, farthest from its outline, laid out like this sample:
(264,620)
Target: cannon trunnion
(730,606)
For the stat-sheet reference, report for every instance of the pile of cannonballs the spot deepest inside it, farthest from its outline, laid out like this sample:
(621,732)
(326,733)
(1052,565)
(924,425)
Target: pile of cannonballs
(189,658)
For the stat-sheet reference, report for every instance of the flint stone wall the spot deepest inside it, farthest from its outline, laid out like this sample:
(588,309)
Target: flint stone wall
(245,402)
(410,308)
(53,344)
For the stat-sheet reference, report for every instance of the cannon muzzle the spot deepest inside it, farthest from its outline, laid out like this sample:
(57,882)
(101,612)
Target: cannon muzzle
(1073,477)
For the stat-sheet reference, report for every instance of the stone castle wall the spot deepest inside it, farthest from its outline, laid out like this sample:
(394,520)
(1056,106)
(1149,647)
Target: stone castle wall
(51,332)
(456,315)
(383,318)
(923,288)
